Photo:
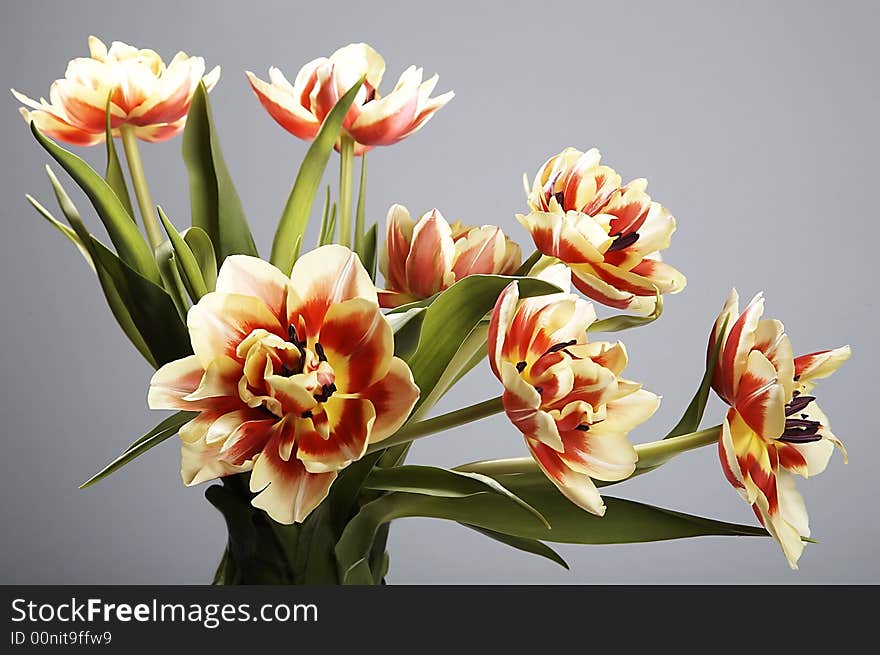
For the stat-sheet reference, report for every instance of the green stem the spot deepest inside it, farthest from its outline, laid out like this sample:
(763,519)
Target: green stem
(346,168)
(439,423)
(139,181)
(651,455)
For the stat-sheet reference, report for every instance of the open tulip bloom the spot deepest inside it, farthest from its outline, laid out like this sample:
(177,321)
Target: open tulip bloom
(300,381)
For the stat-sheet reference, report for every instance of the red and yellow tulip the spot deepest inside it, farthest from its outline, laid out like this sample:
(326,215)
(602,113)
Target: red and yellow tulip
(423,257)
(372,120)
(292,378)
(142,92)
(609,234)
(774,428)
(564,394)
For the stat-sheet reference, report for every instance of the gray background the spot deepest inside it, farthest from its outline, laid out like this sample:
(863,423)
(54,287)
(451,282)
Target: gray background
(755,123)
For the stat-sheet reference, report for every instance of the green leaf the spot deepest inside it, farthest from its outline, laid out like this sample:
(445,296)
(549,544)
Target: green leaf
(203,250)
(368,250)
(446,483)
(529,263)
(295,216)
(111,293)
(329,235)
(168,269)
(625,321)
(690,421)
(61,227)
(359,235)
(167,428)
(325,216)
(407,328)
(114,176)
(130,244)
(190,271)
(527,545)
(214,202)
(452,317)
(151,308)
(625,521)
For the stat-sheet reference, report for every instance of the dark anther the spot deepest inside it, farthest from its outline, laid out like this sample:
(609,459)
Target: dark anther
(520,367)
(306,414)
(561,346)
(539,389)
(320,350)
(286,371)
(326,391)
(560,197)
(801,431)
(583,427)
(623,241)
(797,404)
(797,378)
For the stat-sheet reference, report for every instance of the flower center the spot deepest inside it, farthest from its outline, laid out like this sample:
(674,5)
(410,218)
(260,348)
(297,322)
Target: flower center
(285,377)
(799,427)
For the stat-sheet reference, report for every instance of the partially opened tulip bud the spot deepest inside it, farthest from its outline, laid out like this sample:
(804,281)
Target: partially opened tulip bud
(372,120)
(429,255)
(143,92)
(609,234)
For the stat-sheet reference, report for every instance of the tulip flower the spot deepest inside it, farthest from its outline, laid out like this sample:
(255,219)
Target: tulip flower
(142,91)
(774,428)
(609,235)
(426,256)
(292,378)
(372,120)
(564,394)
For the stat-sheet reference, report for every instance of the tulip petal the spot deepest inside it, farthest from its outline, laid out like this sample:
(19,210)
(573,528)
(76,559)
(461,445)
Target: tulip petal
(251,276)
(522,404)
(499,323)
(285,489)
(325,276)
(173,382)
(577,487)
(739,343)
(219,322)
(429,265)
(350,421)
(398,236)
(393,398)
(820,364)
(358,342)
(760,397)
(574,238)
(285,109)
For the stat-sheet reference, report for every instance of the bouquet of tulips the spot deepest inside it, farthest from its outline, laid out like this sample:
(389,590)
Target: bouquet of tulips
(300,381)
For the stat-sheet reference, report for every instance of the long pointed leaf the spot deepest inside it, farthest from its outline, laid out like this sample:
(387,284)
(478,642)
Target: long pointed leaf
(151,308)
(452,316)
(214,202)
(190,272)
(368,250)
(446,483)
(129,243)
(532,546)
(690,421)
(203,250)
(295,217)
(61,227)
(108,285)
(625,521)
(167,428)
(114,176)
